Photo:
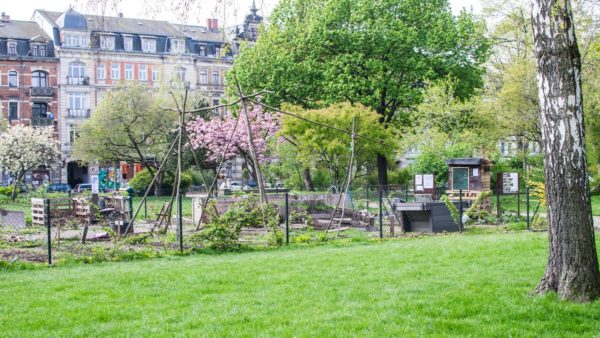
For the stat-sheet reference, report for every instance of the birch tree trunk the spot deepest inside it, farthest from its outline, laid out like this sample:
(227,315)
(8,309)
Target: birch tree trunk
(572,269)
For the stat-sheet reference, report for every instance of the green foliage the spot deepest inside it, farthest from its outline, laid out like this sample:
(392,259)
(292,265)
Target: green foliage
(141,180)
(222,232)
(304,238)
(186,180)
(330,149)
(315,53)
(7,191)
(517,226)
(451,207)
(477,212)
(432,158)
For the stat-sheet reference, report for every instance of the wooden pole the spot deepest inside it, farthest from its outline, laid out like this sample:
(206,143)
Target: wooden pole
(260,183)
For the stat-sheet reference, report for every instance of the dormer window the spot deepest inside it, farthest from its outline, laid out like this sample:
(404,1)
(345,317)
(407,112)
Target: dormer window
(128,43)
(149,45)
(75,40)
(177,46)
(107,42)
(11,47)
(38,49)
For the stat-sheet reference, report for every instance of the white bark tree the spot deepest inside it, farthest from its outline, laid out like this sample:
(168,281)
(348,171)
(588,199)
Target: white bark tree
(25,148)
(572,269)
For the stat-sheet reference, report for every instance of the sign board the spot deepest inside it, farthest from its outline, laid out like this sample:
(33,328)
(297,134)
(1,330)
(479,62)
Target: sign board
(424,184)
(508,183)
(95,184)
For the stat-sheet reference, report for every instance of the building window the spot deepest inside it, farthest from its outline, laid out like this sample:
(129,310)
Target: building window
(75,40)
(177,46)
(128,43)
(78,105)
(142,72)
(154,74)
(13,79)
(39,79)
(203,76)
(460,178)
(73,132)
(101,72)
(216,79)
(13,110)
(11,48)
(107,42)
(128,71)
(76,73)
(39,110)
(149,45)
(180,74)
(115,72)
(38,50)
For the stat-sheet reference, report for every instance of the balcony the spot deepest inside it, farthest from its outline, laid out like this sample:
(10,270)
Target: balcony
(78,113)
(42,122)
(41,91)
(78,80)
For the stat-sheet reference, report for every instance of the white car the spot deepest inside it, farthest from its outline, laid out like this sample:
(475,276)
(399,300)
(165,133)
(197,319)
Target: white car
(237,186)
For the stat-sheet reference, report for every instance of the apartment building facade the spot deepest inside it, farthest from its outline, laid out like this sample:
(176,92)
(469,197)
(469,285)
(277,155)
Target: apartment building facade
(97,53)
(28,82)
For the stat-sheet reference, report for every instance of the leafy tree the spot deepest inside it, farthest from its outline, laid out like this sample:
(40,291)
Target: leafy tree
(322,146)
(376,53)
(128,125)
(25,148)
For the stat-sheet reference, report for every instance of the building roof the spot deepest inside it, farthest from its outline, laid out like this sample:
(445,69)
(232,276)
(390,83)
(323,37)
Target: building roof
(466,161)
(201,33)
(21,30)
(111,24)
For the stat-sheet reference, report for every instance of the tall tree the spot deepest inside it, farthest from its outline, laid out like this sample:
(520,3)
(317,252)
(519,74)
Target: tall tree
(128,125)
(374,52)
(572,268)
(25,148)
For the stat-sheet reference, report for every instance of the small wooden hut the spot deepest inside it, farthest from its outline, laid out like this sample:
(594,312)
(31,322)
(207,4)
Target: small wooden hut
(471,175)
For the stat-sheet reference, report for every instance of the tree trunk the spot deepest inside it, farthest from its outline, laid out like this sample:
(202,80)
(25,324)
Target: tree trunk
(158,184)
(382,171)
(308,183)
(572,269)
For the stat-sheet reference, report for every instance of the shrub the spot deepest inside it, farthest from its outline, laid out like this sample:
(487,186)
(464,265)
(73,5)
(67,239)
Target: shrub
(141,180)
(7,191)
(451,207)
(302,239)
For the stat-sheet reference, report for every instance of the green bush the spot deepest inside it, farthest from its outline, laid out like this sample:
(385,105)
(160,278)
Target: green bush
(451,207)
(186,180)
(7,191)
(141,180)
(516,226)
(302,239)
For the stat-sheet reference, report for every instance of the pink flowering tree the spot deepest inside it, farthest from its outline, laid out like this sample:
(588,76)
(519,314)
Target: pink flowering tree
(213,136)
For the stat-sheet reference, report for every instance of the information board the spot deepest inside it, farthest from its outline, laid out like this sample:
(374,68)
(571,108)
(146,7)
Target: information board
(508,183)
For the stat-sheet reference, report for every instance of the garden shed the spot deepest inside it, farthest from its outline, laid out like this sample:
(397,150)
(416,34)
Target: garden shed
(471,175)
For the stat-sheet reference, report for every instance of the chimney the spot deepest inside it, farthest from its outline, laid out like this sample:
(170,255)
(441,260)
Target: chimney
(4,17)
(213,25)
(120,14)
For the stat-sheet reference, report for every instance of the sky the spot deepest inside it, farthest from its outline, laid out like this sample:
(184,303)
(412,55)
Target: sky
(230,11)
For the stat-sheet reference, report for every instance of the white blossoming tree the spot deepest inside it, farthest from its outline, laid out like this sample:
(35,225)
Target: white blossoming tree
(25,148)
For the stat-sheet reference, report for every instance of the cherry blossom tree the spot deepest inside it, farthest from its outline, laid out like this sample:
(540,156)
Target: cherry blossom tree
(25,148)
(213,136)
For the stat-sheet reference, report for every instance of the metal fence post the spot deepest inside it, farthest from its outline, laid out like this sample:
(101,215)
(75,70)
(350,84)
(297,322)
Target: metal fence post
(380,213)
(406,193)
(287,218)
(460,210)
(130,208)
(518,205)
(527,206)
(48,225)
(180,215)
(498,212)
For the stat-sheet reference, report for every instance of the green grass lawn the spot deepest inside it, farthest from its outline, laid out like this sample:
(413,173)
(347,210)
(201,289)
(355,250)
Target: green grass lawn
(475,285)
(596,205)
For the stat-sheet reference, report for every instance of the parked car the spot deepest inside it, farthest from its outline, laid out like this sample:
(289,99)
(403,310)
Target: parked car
(82,187)
(237,186)
(58,187)
(251,184)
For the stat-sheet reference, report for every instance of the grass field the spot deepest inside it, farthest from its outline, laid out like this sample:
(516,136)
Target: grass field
(476,285)
(596,205)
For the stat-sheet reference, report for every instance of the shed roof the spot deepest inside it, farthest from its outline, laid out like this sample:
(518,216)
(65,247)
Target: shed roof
(473,161)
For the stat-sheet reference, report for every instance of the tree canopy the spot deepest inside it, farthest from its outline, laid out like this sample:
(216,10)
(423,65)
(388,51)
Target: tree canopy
(318,144)
(377,53)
